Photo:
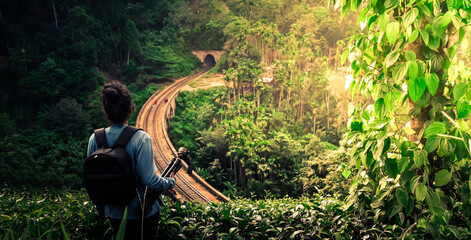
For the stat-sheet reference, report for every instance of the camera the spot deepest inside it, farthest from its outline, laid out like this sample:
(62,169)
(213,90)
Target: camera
(173,167)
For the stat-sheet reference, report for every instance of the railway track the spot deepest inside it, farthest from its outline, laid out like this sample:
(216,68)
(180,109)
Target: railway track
(153,118)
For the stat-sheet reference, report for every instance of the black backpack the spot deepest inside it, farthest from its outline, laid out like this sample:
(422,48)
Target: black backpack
(108,174)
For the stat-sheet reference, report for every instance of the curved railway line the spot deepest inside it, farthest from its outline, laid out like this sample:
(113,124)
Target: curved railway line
(153,118)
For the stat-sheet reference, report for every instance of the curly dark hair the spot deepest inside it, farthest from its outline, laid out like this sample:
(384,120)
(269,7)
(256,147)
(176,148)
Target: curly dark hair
(117,102)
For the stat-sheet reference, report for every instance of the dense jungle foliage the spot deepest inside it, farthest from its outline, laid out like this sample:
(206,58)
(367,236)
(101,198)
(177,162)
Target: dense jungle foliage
(268,131)
(55,56)
(298,157)
(279,157)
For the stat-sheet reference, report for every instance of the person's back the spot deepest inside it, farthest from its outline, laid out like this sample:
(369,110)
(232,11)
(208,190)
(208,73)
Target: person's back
(118,106)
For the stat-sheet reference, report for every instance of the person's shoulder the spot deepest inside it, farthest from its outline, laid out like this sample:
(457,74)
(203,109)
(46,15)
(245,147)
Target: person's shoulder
(141,135)
(92,137)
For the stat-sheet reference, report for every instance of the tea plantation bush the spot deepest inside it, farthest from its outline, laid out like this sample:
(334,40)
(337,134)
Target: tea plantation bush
(285,218)
(71,215)
(24,216)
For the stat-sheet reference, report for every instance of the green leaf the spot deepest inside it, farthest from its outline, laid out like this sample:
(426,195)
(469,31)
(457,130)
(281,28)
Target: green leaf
(421,192)
(346,174)
(436,63)
(431,144)
(353,5)
(456,19)
(392,32)
(420,158)
(447,146)
(391,167)
(383,21)
(432,82)
(344,56)
(413,36)
(459,90)
(454,4)
(447,18)
(437,211)
(410,55)
(425,36)
(390,4)
(434,129)
(412,69)
(391,58)
(464,44)
(122,226)
(403,164)
(434,43)
(66,236)
(462,108)
(461,34)
(461,150)
(294,234)
(380,108)
(356,126)
(410,17)
(387,144)
(436,7)
(456,232)
(465,14)
(432,198)
(413,183)
(433,229)
(442,178)
(402,196)
(411,2)
(399,73)
(416,88)
(378,149)
(424,9)
(367,159)
(397,207)
(453,72)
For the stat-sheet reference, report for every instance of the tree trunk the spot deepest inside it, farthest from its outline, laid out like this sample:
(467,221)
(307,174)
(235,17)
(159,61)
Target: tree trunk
(328,110)
(229,95)
(288,98)
(55,14)
(279,99)
(300,105)
(315,120)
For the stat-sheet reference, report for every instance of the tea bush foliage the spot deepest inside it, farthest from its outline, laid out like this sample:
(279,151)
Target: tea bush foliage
(71,215)
(40,216)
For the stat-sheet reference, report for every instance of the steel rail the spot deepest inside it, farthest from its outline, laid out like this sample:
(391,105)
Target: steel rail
(151,112)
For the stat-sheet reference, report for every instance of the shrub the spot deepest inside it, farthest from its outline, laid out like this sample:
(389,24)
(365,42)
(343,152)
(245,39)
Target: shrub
(38,216)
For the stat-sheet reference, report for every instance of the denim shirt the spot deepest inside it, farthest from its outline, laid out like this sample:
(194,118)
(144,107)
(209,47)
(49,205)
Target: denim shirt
(140,150)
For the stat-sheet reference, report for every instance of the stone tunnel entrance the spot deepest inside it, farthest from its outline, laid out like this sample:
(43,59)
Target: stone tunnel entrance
(209,61)
(208,58)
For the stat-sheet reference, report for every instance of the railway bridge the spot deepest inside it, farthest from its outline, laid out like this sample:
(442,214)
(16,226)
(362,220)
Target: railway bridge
(209,58)
(154,118)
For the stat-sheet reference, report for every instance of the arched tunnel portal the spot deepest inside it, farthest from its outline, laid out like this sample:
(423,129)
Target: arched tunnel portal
(209,58)
(209,61)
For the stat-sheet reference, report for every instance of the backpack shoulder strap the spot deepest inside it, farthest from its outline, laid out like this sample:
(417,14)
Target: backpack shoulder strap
(125,136)
(100,138)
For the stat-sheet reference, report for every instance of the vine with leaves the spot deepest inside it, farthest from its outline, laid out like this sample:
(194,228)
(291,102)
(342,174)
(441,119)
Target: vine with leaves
(411,139)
